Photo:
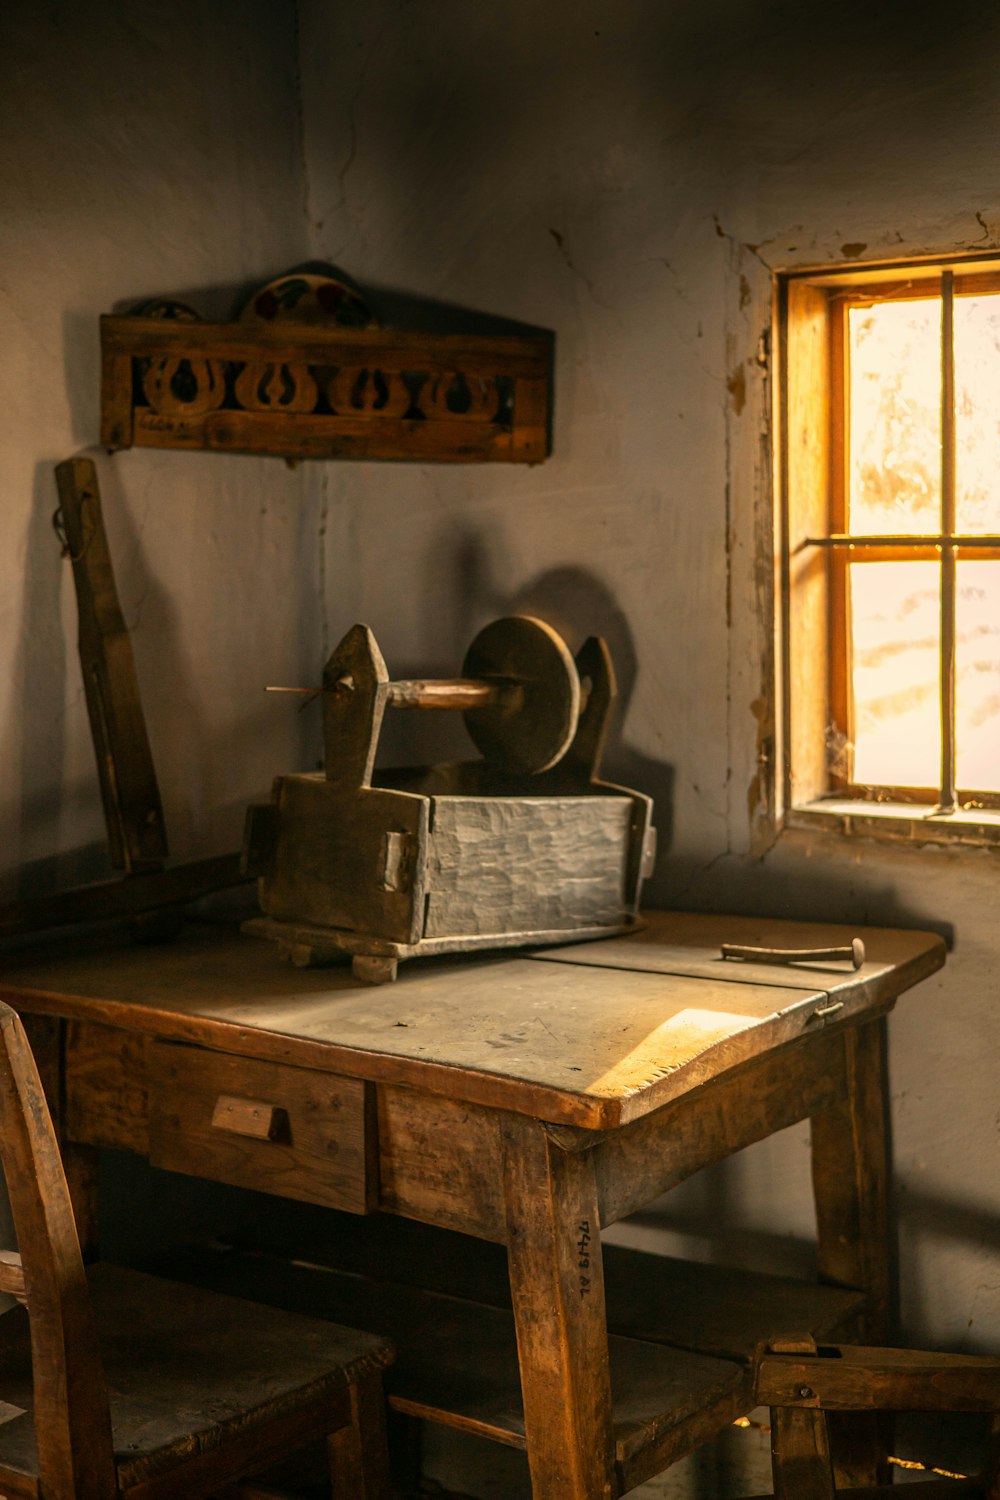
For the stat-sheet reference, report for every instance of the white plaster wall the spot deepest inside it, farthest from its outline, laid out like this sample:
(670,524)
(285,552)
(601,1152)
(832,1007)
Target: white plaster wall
(145,149)
(627,175)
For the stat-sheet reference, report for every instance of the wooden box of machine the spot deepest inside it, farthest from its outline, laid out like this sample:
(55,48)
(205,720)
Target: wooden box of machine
(524,846)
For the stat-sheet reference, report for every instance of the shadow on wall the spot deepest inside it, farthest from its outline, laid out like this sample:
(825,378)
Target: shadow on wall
(578,605)
(796,885)
(37,730)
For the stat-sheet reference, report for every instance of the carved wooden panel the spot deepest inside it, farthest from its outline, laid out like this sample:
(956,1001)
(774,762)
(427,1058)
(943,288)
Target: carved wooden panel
(314,392)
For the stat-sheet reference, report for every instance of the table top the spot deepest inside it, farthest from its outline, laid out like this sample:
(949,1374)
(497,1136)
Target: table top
(591,1034)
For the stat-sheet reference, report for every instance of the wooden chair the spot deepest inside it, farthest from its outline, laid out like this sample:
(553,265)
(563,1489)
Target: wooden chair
(114,1383)
(801,1383)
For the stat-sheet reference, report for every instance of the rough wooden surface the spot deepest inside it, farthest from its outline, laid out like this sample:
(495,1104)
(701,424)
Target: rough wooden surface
(651,1155)
(498,865)
(331,864)
(583,1044)
(690,943)
(853,1377)
(187,1370)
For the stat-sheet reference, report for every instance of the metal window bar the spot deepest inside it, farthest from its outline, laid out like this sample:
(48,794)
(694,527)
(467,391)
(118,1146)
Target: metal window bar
(947,797)
(910,540)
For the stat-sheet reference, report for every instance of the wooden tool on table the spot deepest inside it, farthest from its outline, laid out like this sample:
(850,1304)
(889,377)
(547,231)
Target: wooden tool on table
(524,846)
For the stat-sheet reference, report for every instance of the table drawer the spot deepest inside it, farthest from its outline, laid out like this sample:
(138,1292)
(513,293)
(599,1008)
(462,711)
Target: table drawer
(290,1131)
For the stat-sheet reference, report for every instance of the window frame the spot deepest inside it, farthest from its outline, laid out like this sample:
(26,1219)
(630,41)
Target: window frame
(812,307)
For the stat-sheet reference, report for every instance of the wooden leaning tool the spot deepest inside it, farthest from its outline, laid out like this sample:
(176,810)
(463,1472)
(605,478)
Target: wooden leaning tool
(151,894)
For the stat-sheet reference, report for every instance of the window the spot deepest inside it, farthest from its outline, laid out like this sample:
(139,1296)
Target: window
(891,567)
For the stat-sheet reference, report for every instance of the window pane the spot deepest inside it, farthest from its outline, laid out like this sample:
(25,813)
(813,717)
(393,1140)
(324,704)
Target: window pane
(895,636)
(977,413)
(895,425)
(977,715)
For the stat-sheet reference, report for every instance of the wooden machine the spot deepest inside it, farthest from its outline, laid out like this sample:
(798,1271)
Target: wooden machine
(524,846)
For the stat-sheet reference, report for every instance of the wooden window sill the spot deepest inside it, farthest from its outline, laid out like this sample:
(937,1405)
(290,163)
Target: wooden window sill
(901,821)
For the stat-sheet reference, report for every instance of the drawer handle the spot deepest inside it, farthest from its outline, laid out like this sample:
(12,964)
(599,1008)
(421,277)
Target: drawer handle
(251,1117)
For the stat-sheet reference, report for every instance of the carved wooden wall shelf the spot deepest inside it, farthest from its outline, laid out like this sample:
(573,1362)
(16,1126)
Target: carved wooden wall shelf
(325,392)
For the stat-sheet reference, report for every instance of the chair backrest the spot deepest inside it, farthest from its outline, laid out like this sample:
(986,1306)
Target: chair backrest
(72,1420)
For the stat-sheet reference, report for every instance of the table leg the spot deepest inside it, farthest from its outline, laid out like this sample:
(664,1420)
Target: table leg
(850,1156)
(850,1160)
(557,1285)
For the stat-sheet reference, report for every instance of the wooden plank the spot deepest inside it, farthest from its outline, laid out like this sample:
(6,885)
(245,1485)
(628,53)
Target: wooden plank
(716,1310)
(132,807)
(498,865)
(107,1088)
(506,380)
(145,891)
(690,943)
(706,1309)
(515,355)
(457,1359)
(302,435)
(857,1378)
(801,1456)
(323,1150)
(439,1162)
(557,1289)
(640,1161)
(580,1045)
(330,844)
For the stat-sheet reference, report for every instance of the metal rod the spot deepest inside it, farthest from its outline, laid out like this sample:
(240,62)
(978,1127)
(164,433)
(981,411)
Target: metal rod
(444,692)
(947,541)
(852,953)
(910,540)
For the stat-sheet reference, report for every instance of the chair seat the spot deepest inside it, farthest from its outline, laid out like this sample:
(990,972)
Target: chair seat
(186,1369)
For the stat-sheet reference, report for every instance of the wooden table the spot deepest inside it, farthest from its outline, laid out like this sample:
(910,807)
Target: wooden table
(526,1101)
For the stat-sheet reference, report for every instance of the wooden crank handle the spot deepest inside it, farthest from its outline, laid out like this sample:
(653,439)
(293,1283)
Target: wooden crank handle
(853,953)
